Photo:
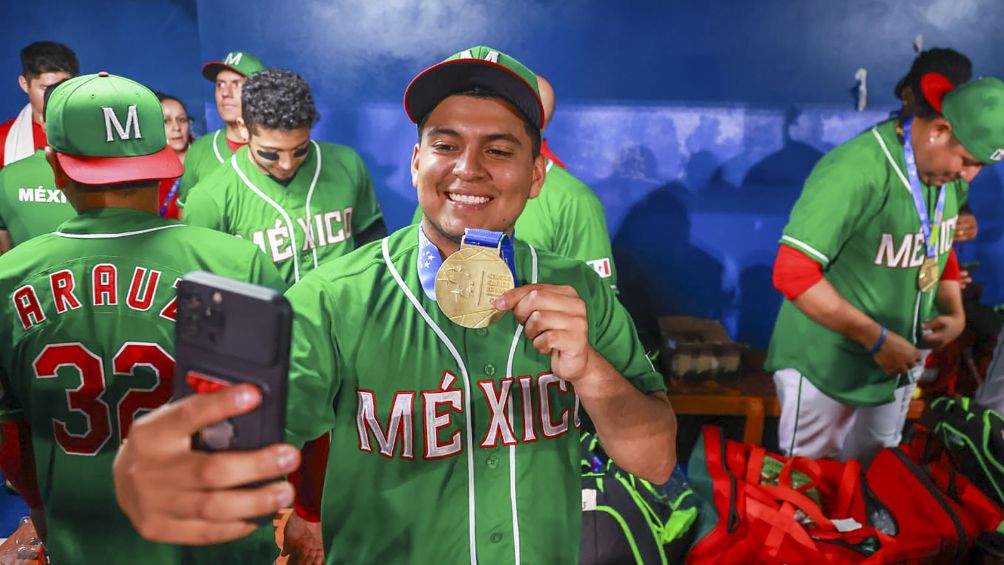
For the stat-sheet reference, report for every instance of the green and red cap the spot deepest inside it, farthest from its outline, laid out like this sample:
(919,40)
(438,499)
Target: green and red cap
(107,129)
(475,67)
(240,62)
(976,111)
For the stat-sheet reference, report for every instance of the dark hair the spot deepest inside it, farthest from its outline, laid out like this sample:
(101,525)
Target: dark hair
(277,99)
(48,57)
(955,66)
(165,96)
(484,92)
(48,93)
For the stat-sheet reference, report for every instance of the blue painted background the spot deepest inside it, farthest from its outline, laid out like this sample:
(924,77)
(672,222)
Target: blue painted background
(695,122)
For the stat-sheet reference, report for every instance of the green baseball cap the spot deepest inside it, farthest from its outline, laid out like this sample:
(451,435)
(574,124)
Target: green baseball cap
(107,129)
(240,62)
(477,66)
(976,111)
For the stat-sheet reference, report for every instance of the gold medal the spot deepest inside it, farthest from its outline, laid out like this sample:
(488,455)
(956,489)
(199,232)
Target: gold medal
(468,283)
(928,277)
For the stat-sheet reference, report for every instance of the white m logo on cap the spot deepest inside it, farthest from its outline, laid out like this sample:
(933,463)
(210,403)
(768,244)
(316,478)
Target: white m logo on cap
(111,120)
(492,56)
(233,58)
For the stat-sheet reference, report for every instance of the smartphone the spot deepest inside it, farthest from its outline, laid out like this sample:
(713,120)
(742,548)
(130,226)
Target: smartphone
(230,332)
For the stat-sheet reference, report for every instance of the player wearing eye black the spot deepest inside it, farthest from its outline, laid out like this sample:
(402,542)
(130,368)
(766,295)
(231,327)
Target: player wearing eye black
(303,202)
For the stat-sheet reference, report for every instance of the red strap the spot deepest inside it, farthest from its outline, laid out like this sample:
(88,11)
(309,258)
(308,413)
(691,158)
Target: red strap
(850,485)
(754,469)
(802,502)
(795,272)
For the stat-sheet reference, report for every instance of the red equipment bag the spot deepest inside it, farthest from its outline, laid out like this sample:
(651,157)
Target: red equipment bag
(747,522)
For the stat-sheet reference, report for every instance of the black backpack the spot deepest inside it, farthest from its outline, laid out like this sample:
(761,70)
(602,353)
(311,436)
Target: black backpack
(626,519)
(974,438)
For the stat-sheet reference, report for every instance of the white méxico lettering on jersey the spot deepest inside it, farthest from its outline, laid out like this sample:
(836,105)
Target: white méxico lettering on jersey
(324,228)
(440,407)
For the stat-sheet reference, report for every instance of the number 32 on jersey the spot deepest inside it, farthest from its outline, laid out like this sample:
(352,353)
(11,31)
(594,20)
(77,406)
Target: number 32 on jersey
(87,400)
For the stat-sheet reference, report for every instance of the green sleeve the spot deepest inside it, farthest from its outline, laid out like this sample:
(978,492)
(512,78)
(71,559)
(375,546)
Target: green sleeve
(314,363)
(10,406)
(3,198)
(203,210)
(584,236)
(190,177)
(417,218)
(613,335)
(365,209)
(263,272)
(837,199)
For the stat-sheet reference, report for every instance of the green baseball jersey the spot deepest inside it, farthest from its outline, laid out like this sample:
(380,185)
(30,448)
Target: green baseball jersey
(204,156)
(299,226)
(86,347)
(449,445)
(566,219)
(30,203)
(856,216)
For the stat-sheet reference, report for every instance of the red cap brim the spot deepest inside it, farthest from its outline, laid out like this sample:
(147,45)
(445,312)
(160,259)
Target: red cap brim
(163,164)
(935,86)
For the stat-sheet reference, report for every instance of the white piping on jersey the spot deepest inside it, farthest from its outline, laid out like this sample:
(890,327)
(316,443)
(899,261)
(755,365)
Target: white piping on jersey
(512,448)
(895,166)
(806,247)
(550,164)
(114,235)
(916,317)
(310,193)
(216,147)
(285,216)
(467,398)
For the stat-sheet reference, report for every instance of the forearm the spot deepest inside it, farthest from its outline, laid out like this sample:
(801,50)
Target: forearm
(949,299)
(637,430)
(5,243)
(826,306)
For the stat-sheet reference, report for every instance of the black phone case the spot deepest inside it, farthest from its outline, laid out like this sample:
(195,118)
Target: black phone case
(235,332)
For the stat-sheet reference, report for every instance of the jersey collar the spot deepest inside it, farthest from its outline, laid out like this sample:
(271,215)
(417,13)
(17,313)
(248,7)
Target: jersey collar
(113,222)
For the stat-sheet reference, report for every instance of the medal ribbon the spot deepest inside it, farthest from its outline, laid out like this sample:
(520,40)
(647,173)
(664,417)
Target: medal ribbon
(918,196)
(170,195)
(429,259)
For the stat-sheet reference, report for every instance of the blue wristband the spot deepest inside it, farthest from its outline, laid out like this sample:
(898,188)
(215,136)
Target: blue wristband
(878,344)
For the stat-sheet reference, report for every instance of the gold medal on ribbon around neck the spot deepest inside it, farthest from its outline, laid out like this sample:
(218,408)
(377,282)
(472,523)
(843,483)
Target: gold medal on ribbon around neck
(468,283)
(928,277)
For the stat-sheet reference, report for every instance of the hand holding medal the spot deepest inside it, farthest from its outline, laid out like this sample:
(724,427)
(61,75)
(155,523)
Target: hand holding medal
(554,319)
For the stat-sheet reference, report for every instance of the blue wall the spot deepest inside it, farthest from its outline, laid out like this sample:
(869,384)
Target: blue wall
(694,122)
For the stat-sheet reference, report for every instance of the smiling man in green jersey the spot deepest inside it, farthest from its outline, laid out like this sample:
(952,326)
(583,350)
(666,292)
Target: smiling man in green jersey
(449,445)
(87,342)
(871,240)
(215,148)
(566,218)
(303,202)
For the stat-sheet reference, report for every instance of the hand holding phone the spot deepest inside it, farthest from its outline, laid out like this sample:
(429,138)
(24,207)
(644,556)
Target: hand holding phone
(230,332)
